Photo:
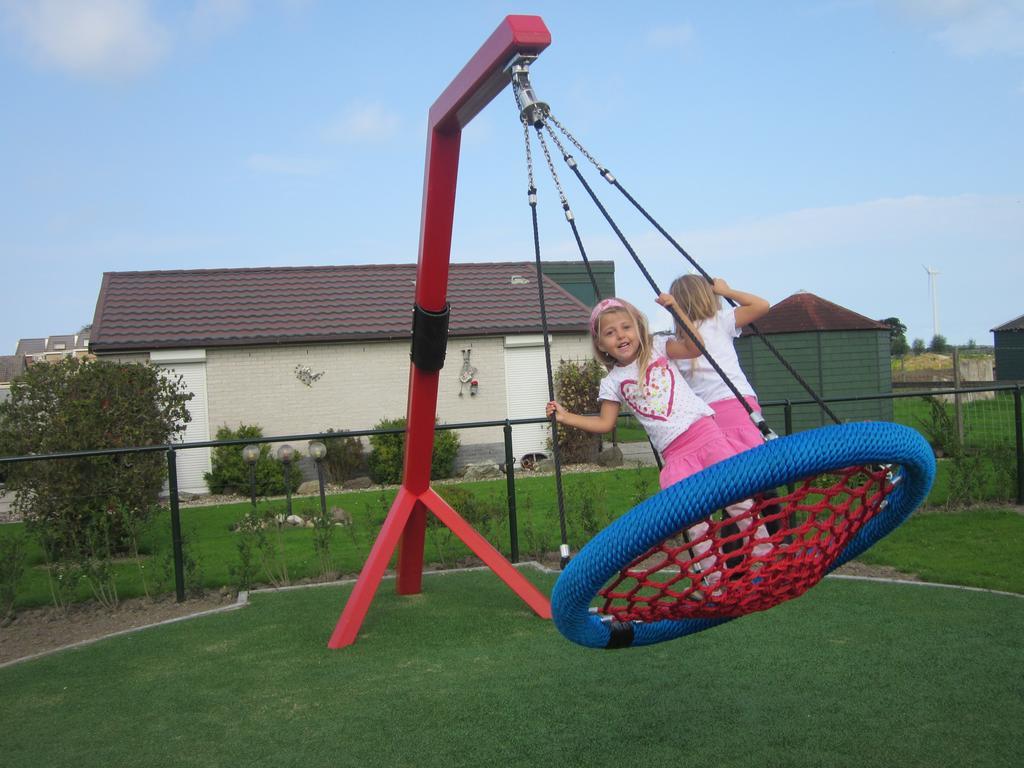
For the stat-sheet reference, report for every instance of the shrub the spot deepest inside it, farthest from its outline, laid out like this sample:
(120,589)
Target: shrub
(388,453)
(576,387)
(231,474)
(345,458)
(76,405)
(13,558)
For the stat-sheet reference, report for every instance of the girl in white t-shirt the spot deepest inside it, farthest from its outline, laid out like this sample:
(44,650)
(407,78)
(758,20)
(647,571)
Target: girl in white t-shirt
(642,374)
(700,302)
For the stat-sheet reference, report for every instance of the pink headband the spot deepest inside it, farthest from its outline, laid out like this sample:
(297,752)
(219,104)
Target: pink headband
(603,306)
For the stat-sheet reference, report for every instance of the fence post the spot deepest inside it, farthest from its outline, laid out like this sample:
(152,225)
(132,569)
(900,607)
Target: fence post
(179,567)
(1020,443)
(510,484)
(787,410)
(958,410)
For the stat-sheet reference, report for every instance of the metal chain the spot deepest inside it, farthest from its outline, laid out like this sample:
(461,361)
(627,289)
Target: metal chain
(575,142)
(551,168)
(526,137)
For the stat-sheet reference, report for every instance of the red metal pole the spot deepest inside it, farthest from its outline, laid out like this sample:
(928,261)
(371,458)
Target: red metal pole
(483,77)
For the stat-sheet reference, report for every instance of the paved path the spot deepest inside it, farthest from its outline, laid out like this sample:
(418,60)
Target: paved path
(634,452)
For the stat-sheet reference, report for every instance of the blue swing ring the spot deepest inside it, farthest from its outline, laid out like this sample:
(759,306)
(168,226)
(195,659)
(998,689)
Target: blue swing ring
(783,461)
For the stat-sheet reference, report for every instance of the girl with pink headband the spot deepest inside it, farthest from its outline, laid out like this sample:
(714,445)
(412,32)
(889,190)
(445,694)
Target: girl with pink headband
(641,374)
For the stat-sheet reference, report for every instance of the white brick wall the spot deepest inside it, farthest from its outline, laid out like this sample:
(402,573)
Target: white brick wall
(360,385)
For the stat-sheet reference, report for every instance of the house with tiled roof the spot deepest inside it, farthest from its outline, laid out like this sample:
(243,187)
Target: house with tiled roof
(302,349)
(10,366)
(1008,340)
(837,351)
(50,349)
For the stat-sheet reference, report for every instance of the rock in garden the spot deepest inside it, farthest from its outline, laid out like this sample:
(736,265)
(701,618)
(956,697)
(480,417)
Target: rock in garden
(357,483)
(308,487)
(342,516)
(482,470)
(610,457)
(294,520)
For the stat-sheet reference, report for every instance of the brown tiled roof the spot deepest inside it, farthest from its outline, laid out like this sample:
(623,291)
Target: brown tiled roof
(1017,324)
(30,347)
(70,341)
(274,305)
(804,311)
(10,366)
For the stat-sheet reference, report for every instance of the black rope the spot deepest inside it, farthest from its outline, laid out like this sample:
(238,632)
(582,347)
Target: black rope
(762,425)
(778,355)
(570,217)
(564,559)
(555,453)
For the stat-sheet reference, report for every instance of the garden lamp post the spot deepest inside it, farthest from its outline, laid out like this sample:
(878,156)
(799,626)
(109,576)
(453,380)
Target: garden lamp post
(250,455)
(285,454)
(318,451)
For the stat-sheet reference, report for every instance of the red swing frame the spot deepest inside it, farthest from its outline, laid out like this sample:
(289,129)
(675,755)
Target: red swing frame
(483,78)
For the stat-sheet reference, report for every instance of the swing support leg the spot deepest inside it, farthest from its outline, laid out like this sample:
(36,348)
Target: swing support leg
(486,75)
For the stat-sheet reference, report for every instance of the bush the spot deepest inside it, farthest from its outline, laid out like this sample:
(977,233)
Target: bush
(576,387)
(231,474)
(76,405)
(345,458)
(939,345)
(388,452)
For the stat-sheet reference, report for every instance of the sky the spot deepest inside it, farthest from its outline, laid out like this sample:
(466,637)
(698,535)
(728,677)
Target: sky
(840,147)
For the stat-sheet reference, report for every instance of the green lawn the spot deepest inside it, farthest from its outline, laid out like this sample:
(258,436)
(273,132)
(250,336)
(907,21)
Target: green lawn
(853,673)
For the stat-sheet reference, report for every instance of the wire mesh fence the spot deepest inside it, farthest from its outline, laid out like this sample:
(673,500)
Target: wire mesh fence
(107,548)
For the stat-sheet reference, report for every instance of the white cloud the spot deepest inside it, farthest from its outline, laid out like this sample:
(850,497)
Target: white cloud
(680,36)
(364,123)
(972,28)
(912,222)
(212,17)
(281,165)
(100,38)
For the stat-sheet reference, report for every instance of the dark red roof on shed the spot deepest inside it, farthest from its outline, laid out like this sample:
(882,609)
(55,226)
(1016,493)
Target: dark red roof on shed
(1017,324)
(804,312)
(276,305)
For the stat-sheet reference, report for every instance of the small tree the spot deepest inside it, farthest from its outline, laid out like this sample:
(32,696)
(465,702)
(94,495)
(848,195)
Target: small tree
(76,405)
(897,336)
(388,453)
(576,386)
(938,345)
(231,474)
(917,347)
(345,458)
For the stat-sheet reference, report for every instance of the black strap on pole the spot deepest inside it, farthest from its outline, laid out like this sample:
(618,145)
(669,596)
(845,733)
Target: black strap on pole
(429,337)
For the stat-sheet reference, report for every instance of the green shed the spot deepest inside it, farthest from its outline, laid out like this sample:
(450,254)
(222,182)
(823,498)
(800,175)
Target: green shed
(1009,346)
(838,352)
(573,277)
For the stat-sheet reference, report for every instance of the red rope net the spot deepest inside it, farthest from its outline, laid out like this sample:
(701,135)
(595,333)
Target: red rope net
(763,551)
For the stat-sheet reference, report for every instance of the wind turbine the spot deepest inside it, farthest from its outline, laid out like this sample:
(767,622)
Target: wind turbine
(935,306)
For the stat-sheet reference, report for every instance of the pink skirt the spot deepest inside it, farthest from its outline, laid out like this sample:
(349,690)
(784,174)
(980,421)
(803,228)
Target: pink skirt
(735,423)
(698,447)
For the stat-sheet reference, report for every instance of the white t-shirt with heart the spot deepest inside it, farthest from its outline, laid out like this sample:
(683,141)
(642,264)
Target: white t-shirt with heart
(664,405)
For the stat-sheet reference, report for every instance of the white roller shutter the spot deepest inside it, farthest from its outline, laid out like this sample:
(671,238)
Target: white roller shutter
(526,387)
(192,464)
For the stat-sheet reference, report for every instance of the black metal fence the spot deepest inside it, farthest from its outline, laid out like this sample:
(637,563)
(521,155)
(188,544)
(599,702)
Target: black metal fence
(978,417)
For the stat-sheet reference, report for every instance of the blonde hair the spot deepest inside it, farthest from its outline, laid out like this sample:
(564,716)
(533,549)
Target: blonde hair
(694,295)
(643,357)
